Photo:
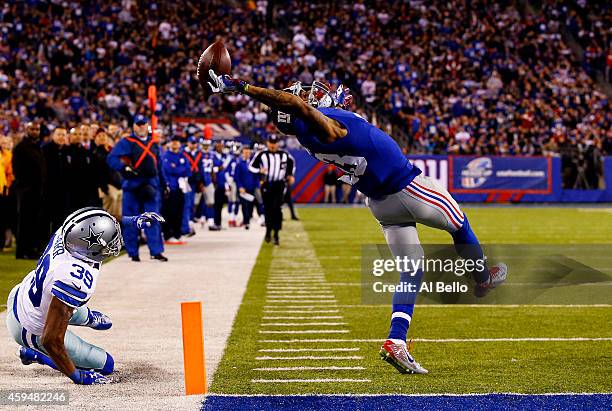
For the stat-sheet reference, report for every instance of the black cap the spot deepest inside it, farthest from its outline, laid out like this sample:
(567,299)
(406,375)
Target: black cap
(273,138)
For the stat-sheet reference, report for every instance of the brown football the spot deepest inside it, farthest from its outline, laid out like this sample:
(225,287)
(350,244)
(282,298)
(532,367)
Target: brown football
(215,57)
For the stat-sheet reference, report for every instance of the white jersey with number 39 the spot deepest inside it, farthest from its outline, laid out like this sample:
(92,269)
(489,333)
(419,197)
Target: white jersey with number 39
(58,274)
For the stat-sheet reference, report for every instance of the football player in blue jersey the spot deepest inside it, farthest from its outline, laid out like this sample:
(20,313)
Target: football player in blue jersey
(399,196)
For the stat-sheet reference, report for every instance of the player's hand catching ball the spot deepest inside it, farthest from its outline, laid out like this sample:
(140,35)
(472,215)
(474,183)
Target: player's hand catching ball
(147,219)
(226,84)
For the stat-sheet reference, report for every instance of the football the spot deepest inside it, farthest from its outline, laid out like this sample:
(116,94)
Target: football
(215,57)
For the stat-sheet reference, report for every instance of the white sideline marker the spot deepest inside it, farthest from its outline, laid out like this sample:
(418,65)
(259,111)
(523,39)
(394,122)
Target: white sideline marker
(311,380)
(298,324)
(305,332)
(306,349)
(306,368)
(309,357)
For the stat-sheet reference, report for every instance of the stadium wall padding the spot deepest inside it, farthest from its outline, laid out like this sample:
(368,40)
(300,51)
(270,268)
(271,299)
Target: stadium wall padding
(476,179)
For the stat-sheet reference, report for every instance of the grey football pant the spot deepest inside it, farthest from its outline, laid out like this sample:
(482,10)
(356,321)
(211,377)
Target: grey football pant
(83,354)
(423,201)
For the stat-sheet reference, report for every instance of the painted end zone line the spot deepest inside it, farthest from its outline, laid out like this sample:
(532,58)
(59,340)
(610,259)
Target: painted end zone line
(577,401)
(440,340)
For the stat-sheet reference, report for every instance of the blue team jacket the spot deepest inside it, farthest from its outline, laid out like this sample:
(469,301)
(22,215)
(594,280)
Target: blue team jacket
(244,177)
(128,151)
(175,166)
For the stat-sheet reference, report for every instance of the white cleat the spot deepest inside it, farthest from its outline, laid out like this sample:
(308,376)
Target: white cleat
(497,275)
(398,355)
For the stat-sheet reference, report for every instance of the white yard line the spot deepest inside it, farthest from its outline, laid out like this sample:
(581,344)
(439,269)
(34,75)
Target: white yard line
(303,301)
(321,380)
(314,317)
(308,349)
(306,368)
(299,324)
(300,311)
(442,340)
(310,357)
(301,297)
(305,332)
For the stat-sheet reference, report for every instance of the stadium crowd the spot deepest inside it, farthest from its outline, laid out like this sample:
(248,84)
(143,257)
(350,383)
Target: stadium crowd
(459,77)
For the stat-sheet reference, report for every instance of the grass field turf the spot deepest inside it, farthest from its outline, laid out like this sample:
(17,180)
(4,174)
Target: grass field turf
(328,242)
(12,272)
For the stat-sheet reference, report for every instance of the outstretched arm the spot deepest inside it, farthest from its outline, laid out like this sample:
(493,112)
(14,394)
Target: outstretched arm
(327,128)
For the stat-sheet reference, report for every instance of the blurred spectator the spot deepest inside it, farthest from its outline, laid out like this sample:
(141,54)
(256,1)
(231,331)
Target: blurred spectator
(83,177)
(110,180)
(7,198)
(330,182)
(30,173)
(56,186)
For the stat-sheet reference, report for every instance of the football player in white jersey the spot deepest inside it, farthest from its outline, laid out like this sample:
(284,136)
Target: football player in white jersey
(55,295)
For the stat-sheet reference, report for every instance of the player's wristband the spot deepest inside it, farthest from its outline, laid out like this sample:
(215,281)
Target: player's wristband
(76,377)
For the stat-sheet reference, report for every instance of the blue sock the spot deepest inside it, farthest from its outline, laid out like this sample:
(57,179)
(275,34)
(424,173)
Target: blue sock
(210,212)
(43,359)
(230,208)
(403,306)
(468,247)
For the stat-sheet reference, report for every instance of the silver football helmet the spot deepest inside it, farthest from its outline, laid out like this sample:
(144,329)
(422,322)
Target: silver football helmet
(92,234)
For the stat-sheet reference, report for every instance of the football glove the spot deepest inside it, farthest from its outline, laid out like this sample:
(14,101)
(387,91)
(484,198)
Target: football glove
(147,219)
(343,97)
(83,377)
(225,83)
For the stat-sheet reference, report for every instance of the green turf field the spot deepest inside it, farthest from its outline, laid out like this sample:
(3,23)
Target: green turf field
(277,340)
(12,272)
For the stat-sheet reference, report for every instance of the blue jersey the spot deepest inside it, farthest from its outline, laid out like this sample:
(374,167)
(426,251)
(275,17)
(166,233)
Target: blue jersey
(206,167)
(175,166)
(371,160)
(244,177)
(220,165)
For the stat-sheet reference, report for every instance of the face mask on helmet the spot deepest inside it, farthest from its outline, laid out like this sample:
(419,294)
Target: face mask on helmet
(92,234)
(317,95)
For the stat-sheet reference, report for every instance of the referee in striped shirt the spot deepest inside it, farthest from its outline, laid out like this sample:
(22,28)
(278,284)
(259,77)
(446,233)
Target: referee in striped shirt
(276,168)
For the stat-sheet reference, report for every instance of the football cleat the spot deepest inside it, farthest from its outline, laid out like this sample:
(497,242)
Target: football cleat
(135,258)
(497,275)
(398,355)
(98,321)
(26,355)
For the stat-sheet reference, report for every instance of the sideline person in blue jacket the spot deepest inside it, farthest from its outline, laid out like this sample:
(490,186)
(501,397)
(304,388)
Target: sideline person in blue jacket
(137,158)
(177,171)
(247,182)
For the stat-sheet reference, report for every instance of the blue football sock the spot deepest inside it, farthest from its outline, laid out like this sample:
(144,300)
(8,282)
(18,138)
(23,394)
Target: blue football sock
(43,359)
(468,247)
(403,306)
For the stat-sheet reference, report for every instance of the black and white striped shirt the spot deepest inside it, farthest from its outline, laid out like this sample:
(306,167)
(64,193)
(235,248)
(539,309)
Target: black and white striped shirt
(278,165)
